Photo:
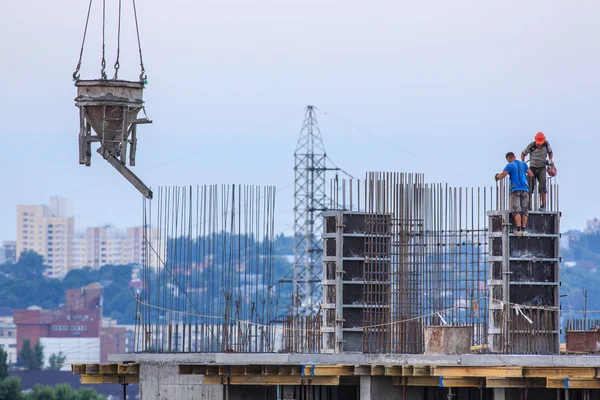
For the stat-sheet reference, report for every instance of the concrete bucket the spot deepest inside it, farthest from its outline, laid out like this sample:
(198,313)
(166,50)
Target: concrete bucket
(109,115)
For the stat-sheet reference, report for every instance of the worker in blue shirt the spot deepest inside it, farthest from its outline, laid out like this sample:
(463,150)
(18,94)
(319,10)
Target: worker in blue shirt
(518,171)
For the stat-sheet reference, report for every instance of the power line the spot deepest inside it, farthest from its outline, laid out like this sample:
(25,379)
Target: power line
(388,142)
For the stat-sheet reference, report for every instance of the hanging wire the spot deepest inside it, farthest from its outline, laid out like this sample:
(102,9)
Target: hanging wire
(143,76)
(87,20)
(103,70)
(117,65)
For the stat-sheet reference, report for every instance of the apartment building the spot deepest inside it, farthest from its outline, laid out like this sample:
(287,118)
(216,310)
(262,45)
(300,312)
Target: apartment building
(8,252)
(8,338)
(49,231)
(106,245)
(75,329)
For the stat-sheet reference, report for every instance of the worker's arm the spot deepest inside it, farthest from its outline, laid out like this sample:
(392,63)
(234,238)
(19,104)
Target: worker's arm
(501,175)
(550,154)
(525,151)
(529,173)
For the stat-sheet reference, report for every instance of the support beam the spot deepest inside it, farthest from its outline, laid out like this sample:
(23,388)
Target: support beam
(573,383)
(101,379)
(484,372)
(556,373)
(515,383)
(272,380)
(435,381)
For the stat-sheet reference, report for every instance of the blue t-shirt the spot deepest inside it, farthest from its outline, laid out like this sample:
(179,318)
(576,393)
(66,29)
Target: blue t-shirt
(517,171)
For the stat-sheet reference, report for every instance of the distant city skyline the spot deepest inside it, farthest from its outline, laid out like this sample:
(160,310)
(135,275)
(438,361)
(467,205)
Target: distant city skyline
(49,230)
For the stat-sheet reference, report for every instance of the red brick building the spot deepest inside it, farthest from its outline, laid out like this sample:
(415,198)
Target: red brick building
(80,317)
(112,341)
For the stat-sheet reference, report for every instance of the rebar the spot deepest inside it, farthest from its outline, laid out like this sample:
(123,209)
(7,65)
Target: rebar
(425,259)
(208,270)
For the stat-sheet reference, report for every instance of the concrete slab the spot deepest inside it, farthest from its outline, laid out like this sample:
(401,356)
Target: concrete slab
(363,359)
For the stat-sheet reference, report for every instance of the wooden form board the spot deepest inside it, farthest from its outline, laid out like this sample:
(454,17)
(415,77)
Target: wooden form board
(406,375)
(112,373)
(328,375)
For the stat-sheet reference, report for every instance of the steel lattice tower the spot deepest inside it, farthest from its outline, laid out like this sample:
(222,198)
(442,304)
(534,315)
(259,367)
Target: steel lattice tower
(310,200)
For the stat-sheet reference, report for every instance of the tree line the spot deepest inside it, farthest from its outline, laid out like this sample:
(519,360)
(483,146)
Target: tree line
(33,358)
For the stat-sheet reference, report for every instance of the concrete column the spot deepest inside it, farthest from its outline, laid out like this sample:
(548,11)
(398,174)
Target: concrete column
(162,381)
(507,394)
(500,394)
(380,388)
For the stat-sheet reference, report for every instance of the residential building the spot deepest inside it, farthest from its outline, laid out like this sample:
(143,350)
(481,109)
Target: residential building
(8,338)
(108,245)
(49,231)
(102,246)
(75,329)
(8,252)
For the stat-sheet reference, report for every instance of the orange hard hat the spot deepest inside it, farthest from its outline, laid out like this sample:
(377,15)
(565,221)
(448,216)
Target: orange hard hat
(540,138)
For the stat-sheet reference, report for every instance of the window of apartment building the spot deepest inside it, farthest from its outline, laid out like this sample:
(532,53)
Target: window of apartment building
(60,328)
(79,328)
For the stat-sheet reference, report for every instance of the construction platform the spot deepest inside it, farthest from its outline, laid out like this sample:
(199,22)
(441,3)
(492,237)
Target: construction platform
(351,376)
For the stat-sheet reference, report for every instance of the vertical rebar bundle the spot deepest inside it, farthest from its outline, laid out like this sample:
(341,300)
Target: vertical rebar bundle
(425,258)
(393,261)
(401,254)
(209,280)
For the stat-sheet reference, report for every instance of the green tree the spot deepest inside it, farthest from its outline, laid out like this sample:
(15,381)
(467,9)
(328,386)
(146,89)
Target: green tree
(59,392)
(3,364)
(56,361)
(10,389)
(31,358)
(26,357)
(39,355)
(30,266)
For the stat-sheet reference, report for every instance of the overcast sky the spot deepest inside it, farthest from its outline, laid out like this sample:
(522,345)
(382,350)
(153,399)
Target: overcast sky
(441,87)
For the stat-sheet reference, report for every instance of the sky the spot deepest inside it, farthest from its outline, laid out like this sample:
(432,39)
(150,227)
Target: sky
(440,87)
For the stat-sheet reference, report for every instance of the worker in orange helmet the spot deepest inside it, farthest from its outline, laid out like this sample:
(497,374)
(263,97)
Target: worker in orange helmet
(539,150)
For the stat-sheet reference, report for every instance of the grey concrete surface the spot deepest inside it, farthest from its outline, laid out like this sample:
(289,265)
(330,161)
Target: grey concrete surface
(362,359)
(162,381)
(380,388)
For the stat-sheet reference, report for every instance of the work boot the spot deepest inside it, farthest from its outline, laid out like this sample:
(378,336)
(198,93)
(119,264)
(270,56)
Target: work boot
(517,232)
(542,207)
(524,232)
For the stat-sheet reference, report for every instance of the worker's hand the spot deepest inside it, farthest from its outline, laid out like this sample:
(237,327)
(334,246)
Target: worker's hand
(496,177)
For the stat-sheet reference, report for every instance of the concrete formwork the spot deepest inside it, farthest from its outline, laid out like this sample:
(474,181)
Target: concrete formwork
(162,381)
(379,377)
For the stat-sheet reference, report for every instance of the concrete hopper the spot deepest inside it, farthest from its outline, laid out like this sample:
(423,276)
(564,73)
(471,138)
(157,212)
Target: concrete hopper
(109,115)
